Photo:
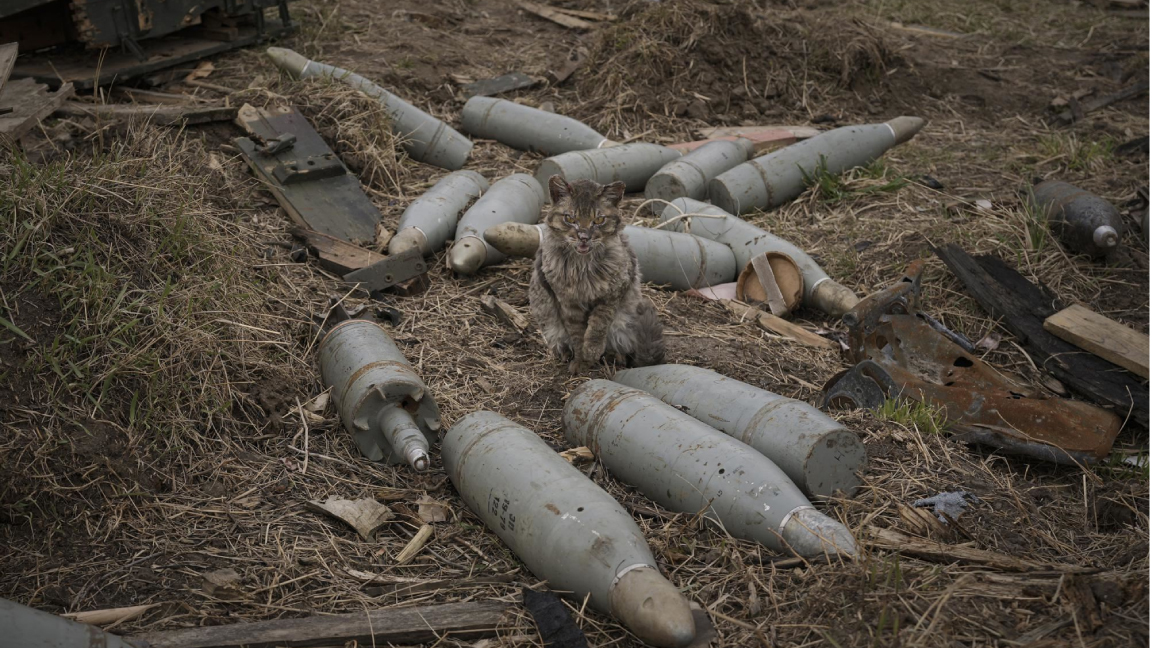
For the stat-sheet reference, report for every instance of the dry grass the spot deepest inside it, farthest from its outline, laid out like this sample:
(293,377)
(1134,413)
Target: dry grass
(151,428)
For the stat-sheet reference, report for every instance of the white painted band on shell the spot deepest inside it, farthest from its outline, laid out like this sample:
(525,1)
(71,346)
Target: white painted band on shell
(789,514)
(620,574)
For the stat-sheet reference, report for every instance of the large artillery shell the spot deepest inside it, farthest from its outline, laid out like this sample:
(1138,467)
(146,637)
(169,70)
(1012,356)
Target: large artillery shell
(526,128)
(816,452)
(1084,222)
(746,241)
(776,178)
(424,137)
(687,466)
(634,164)
(688,177)
(674,259)
(517,198)
(382,402)
(431,219)
(565,528)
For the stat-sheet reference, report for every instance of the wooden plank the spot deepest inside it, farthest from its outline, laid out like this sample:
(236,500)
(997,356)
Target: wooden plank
(548,13)
(505,312)
(412,625)
(1105,337)
(1004,293)
(155,114)
(153,97)
(773,324)
(8,52)
(336,205)
(334,255)
(30,102)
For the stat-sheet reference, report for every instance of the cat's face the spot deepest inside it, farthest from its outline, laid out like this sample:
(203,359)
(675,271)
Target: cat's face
(584,213)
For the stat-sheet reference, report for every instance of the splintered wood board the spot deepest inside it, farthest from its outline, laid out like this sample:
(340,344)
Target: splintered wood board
(30,102)
(335,255)
(334,206)
(1104,337)
(8,53)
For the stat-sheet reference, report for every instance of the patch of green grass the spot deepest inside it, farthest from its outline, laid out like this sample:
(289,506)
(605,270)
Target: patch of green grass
(1116,467)
(1075,154)
(911,413)
(862,181)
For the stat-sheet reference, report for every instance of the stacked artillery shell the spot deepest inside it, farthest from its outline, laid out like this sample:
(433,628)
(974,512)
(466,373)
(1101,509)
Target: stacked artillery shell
(687,466)
(27,627)
(816,452)
(688,176)
(674,259)
(747,241)
(633,164)
(382,402)
(565,528)
(517,198)
(1085,222)
(424,137)
(776,178)
(431,219)
(526,128)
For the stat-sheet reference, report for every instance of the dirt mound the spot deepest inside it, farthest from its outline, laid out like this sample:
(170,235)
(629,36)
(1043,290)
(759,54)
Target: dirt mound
(726,61)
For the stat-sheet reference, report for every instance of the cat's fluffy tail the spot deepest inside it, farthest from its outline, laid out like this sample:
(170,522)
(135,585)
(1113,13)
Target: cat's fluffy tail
(649,349)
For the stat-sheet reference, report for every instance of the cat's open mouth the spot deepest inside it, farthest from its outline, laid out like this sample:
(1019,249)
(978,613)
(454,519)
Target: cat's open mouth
(583,248)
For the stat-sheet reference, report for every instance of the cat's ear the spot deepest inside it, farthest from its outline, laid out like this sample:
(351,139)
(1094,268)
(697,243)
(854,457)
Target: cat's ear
(558,188)
(613,193)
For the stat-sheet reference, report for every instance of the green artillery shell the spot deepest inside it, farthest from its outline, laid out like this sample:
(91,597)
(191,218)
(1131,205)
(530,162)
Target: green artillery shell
(1086,223)
(382,402)
(424,137)
(816,452)
(631,163)
(674,259)
(517,198)
(688,176)
(776,178)
(747,241)
(526,128)
(431,219)
(565,528)
(687,466)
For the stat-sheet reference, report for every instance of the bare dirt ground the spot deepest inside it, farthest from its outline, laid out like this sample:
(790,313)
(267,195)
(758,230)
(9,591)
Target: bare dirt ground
(158,342)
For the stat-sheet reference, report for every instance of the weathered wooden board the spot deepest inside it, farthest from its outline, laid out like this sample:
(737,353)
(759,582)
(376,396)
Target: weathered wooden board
(30,102)
(331,203)
(153,114)
(1004,293)
(391,626)
(335,255)
(8,52)
(1106,338)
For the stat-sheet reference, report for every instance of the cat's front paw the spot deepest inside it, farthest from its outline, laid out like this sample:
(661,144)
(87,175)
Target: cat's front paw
(562,352)
(577,367)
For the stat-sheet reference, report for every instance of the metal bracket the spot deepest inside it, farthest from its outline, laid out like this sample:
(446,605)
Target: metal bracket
(395,269)
(313,167)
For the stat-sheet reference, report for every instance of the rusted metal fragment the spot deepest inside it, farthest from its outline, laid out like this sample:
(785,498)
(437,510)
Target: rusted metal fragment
(901,356)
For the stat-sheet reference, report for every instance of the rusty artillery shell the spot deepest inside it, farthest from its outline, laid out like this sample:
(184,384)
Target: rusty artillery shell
(384,405)
(565,528)
(816,452)
(687,466)
(1084,222)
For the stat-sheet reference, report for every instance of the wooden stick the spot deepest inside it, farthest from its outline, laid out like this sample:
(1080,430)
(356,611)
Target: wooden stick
(162,115)
(548,13)
(414,545)
(773,324)
(391,626)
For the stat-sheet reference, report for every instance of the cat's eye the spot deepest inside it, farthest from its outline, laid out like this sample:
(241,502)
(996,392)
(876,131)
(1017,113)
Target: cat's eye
(599,219)
(569,219)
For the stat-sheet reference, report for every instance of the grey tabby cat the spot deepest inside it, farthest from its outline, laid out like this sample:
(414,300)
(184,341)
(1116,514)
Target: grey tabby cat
(585,288)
